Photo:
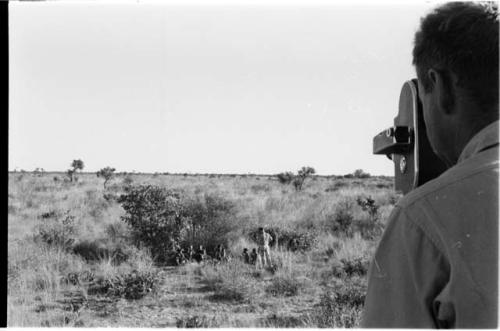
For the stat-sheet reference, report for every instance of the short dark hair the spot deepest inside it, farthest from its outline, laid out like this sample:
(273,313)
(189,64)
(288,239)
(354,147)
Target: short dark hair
(462,38)
(261,228)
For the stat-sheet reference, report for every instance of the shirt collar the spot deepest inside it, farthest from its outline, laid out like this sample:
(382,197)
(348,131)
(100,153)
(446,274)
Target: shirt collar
(485,138)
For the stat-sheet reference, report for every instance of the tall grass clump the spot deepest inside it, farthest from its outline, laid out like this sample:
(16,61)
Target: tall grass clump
(342,307)
(230,282)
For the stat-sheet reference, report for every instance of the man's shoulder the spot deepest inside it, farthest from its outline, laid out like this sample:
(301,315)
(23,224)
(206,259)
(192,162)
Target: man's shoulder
(472,174)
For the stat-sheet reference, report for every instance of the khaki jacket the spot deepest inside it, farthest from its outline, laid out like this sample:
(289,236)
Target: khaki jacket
(437,262)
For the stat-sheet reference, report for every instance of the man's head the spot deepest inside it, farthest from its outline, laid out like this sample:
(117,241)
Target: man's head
(261,229)
(456,59)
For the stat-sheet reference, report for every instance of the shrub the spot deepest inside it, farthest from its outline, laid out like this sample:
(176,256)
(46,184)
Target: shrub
(106,173)
(359,173)
(342,220)
(302,174)
(155,217)
(59,232)
(358,266)
(369,205)
(285,177)
(210,220)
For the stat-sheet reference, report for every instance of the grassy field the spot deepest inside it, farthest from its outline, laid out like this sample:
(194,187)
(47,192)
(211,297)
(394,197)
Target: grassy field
(71,260)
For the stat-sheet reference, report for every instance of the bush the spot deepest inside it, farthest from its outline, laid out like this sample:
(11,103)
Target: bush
(155,217)
(359,173)
(342,220)
(302,174)
(285,177)
(369,205)
(211,219)
(358,266)
(58,232)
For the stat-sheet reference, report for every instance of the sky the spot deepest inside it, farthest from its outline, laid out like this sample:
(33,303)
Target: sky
(148,86)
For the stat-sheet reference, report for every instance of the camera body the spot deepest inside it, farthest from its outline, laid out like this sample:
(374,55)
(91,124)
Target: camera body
(407,145)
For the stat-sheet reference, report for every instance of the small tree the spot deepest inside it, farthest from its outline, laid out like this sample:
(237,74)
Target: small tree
(155,217)
(302,174)
(106,173)
(76,165)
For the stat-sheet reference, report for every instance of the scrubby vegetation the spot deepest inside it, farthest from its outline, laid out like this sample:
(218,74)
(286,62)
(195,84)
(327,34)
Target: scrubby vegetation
(84,254)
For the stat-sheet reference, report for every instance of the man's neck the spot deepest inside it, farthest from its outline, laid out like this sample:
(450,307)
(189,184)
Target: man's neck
(467,129)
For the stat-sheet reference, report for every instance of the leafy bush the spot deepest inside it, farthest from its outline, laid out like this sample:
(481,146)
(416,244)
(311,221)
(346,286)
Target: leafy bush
(210,220)
(58,232)
(341,221)
(302,174)
(369,205)
(155,217)
(285,177)
(359,173)
(358,266)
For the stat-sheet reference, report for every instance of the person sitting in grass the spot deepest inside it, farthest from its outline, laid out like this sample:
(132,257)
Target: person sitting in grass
(246,256)
(180,258)
(200,254)
(254,257)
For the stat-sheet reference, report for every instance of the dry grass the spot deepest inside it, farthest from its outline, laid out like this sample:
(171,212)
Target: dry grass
(231,294)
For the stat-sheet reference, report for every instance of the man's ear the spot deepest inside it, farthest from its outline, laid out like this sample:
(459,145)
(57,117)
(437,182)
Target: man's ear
(442,88)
